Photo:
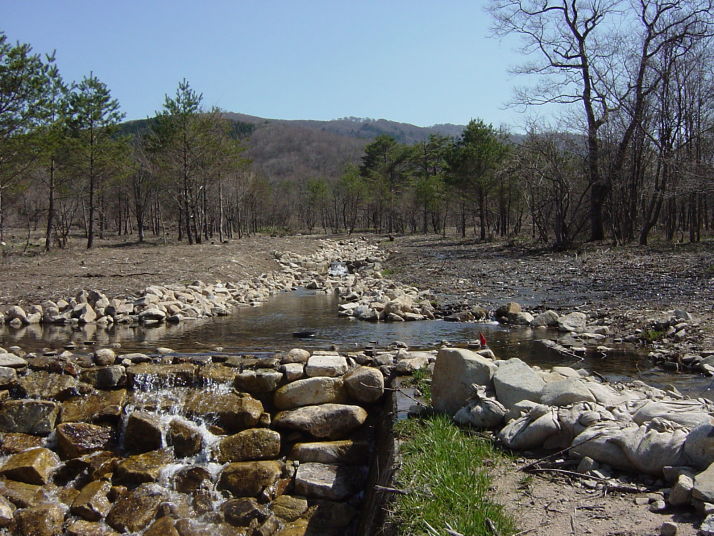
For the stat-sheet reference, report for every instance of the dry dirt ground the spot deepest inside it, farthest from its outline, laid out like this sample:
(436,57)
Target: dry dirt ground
(623,285)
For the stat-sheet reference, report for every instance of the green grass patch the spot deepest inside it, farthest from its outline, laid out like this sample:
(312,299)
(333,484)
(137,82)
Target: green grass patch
(386,272)
(652,335)
(446,481)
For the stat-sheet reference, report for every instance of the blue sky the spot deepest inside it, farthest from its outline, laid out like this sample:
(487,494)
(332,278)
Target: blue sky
(421,62)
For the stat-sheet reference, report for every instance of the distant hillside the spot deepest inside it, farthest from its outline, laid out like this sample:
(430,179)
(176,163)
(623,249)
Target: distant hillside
(298,149)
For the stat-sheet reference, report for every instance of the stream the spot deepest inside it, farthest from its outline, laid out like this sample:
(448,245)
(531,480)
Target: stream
(270,327)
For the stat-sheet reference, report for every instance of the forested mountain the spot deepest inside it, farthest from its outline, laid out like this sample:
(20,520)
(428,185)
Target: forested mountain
(303,148)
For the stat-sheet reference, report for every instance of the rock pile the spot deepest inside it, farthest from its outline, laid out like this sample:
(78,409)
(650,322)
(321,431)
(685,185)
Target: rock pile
(183,445)
(627,427)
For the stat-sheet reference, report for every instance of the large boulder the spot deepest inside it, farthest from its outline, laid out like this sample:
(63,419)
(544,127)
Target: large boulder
(455,372)
(514,381)
(699,446)
(547,318)
(309,392)
(326,421)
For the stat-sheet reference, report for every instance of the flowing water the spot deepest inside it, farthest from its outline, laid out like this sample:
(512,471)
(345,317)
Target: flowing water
(272,326)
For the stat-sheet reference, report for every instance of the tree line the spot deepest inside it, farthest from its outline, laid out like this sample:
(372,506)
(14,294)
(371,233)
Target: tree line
(636,157)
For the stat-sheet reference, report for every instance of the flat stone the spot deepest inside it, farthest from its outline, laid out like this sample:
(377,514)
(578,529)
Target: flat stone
(36,417)
(515,381)
(249,479)
(309,392)
(33,466)
(40,520)
(252,444)
(14,443)
(12,361)
(326,421)
(293,371)
(326,365)
(42,385)
(326,481)
(344,452)
(92,504)
(95,407)
(144,467)
(134,511)
(455,371)
(78,438)
(143,432)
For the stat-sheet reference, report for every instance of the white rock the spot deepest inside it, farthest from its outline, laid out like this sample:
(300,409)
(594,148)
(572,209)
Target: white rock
(326,365)
(514,381)
(455,371)
(310,391)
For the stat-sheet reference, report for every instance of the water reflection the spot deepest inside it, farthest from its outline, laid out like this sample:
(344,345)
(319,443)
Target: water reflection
(271,327)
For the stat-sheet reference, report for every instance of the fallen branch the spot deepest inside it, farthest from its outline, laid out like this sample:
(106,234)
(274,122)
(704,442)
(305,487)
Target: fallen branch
(617,487)
(385,489)
(544,458)
(492,527)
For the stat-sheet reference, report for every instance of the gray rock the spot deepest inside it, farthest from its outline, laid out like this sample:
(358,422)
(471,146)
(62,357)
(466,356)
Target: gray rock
(574,321)
(547,318)
(326,481)
(365,384)
(11,360)
(681,492)
(185,439)
(703,489)
(7,511)
(514,381)
(565,392)
(410,365)
(296,355)
(8,377)
(309,392)
(104,357)
(258,381)
(521,319)
(455,371)
(253,444)
(105,377)
(327,421)
(293,371)
(668,528)
(699,446)
(707,526)
(344,452)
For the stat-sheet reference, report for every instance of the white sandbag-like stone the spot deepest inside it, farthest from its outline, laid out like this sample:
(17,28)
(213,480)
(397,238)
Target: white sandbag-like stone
(530,431)
(326,481)
(326,365)
(514,381)
(565,392)
(699,446)
(484,413)
(455,371)
(689,413)
(310,392)
(703,489)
